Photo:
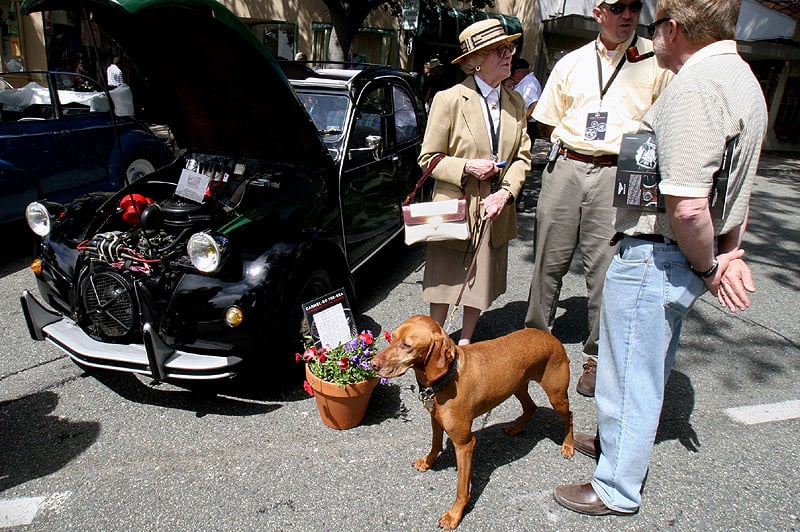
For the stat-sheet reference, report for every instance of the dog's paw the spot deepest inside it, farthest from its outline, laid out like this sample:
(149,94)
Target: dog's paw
(449,520)
(567,451)
(422,464)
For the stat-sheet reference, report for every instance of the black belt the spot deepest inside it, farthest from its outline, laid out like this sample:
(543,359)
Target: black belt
(607,159)
(658,239)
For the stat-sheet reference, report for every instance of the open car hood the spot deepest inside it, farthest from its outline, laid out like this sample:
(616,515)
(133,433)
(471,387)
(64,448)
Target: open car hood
(223,93)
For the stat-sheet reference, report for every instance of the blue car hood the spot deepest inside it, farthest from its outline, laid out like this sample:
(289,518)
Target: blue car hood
(222,91)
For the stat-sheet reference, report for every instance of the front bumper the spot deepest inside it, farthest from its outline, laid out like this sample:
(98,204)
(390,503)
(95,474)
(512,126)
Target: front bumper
(153,357)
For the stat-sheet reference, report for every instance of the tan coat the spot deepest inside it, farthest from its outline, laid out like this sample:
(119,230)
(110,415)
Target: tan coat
(457,128)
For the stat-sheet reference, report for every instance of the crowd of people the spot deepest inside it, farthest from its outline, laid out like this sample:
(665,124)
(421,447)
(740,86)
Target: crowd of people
(690,92)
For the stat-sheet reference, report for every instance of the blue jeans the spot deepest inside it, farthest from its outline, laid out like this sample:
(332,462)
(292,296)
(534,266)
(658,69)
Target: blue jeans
(649,289)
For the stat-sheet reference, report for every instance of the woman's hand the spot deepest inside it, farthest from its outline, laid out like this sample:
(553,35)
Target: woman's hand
(481,169)
(493,203)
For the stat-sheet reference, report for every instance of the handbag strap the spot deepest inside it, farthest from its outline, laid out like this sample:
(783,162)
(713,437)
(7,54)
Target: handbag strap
(424,176)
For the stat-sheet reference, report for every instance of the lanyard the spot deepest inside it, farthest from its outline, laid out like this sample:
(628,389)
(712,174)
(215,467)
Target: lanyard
(491,124)
(604,90)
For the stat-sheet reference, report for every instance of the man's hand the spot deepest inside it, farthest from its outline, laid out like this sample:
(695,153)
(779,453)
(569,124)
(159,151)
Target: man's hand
(736,285)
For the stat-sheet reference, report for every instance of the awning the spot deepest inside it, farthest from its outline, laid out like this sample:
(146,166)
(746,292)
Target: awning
(441,24)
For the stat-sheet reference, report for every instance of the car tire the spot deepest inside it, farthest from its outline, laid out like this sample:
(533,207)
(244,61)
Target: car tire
(138,168)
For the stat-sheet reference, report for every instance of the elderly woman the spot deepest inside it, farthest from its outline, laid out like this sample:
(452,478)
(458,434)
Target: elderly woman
(480,127)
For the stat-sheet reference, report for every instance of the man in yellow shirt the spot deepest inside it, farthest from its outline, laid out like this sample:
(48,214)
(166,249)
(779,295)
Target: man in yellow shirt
(594,95)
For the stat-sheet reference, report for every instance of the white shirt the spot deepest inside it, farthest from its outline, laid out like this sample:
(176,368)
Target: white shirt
(114,75)
(492,97)
(530,89)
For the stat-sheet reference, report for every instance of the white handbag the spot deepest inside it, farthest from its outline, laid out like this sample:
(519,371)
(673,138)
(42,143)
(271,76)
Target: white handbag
(434,220)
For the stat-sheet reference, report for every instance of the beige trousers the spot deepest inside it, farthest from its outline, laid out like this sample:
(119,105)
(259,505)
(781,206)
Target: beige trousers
(574,209)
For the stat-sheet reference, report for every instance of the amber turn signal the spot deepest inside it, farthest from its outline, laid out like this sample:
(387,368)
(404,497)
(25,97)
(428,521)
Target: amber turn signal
(36,266)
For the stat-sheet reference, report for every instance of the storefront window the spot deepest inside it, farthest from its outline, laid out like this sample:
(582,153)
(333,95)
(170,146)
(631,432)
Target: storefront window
(279,38)
(369,45)
(11,48)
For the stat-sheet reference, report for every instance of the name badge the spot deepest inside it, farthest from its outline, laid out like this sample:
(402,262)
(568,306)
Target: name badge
(596,126)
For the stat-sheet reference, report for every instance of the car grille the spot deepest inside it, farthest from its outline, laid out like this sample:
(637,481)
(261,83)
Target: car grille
(109,303)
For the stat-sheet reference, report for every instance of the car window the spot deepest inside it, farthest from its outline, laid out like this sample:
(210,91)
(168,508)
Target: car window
(369,117)
(328,111)
(79,95)
(27,99)
(405,118)
(28,96)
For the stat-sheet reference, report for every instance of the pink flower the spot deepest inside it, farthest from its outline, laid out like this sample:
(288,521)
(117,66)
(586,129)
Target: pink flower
(297,357)
(388,336)
(366,337)
(307,387)
(310,353)
(322,357)
(343,363)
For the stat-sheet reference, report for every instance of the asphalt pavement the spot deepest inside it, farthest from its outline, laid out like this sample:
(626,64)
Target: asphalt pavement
(100,452)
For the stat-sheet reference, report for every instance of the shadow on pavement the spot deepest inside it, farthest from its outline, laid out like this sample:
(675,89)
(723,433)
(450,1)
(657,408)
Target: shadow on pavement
(34,443)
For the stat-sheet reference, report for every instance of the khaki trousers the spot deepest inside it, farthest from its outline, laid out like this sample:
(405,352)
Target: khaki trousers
(574,209)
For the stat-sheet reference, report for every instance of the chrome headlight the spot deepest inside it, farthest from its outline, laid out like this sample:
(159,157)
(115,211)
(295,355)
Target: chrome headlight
(38,218)
(206,251)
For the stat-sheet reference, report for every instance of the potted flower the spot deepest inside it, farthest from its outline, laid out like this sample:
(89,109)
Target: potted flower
(341,379)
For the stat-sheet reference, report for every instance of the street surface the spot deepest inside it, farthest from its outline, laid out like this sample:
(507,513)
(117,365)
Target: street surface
(118,452)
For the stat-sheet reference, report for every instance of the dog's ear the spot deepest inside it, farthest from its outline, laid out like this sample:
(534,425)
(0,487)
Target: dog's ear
(441,355)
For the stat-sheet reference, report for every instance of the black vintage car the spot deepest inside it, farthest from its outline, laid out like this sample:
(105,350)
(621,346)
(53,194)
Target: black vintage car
(291,178)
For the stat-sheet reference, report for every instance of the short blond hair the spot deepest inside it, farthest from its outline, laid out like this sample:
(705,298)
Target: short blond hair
(469,65)
(703,21)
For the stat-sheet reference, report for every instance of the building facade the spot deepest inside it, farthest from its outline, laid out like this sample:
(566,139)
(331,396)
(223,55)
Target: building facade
(767,33)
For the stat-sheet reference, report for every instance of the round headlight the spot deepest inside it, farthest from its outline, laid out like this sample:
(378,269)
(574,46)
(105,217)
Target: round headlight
(38,218)
(204,252)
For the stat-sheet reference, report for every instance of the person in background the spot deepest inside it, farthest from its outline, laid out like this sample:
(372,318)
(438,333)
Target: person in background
(300,56)
(528,86)
(669,259)
(434,79)
(114,74)
(593,96)
(479,126)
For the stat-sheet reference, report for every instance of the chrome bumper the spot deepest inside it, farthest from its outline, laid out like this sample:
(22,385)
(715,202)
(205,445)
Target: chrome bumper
(153,357)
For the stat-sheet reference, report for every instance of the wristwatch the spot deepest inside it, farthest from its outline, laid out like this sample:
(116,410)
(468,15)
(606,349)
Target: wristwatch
(709,272)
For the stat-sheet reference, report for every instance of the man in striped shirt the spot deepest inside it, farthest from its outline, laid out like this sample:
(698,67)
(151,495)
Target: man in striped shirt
(710,119)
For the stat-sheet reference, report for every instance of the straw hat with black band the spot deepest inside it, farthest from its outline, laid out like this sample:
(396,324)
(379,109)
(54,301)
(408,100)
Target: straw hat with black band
(481,35)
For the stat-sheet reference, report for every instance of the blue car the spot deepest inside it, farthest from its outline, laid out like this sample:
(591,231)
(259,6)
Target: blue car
(57,140)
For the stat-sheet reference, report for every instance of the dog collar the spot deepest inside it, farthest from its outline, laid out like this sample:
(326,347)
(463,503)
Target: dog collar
(426,394)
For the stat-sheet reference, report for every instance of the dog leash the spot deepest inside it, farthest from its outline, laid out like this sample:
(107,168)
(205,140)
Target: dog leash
(483,224)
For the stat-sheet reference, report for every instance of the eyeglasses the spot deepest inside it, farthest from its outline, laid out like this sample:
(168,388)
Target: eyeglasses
(651,28)
(501,50)
(618,8)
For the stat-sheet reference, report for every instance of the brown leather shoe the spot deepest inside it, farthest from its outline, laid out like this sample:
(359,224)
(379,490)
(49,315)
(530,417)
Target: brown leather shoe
(587,444)
(585,384)
(582,498)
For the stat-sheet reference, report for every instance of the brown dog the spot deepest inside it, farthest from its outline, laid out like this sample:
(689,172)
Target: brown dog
(459,383)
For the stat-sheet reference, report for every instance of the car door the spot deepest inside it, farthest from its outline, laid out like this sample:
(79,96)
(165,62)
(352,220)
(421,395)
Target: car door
(55,140)
(368,186)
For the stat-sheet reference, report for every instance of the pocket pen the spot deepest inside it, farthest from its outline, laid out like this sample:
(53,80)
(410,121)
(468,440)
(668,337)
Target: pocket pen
(501,164)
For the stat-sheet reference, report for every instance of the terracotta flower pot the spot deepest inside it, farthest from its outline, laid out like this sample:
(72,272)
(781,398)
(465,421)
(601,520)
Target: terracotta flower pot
(341,408)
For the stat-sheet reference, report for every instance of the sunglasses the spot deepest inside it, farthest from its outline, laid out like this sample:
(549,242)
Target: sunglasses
(651,28)
(619,8)
(506,48)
